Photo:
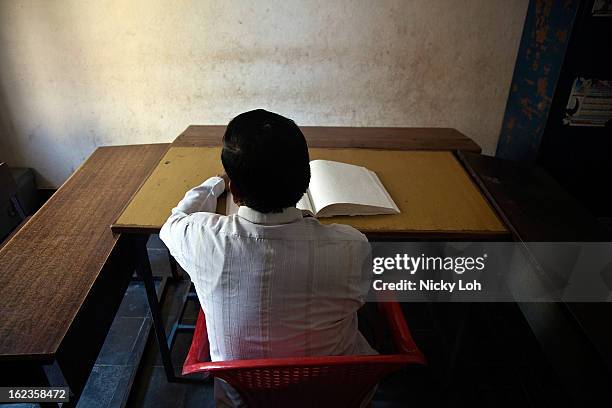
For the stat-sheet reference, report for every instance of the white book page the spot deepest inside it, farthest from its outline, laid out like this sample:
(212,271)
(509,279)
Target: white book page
(341,183)
(384,191)
(304,204)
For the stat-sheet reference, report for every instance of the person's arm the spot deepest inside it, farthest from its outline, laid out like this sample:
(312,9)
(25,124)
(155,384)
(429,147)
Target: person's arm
(203,198)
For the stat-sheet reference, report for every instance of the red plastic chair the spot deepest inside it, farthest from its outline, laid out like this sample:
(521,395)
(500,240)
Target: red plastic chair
(328,381)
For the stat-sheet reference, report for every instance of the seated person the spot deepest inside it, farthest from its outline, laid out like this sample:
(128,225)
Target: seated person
(272,283)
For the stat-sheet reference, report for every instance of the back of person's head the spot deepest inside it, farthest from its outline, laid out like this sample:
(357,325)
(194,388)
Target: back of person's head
(266,158)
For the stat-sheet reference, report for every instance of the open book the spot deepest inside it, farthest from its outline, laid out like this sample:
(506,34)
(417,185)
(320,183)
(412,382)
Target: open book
(340,189)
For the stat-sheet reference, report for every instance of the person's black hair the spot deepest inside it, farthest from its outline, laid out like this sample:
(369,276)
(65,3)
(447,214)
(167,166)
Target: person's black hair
(266,158)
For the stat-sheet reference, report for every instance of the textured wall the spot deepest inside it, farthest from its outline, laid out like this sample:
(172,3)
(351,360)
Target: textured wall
(79,74)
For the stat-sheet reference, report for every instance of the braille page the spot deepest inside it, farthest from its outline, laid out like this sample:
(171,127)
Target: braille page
(345,189)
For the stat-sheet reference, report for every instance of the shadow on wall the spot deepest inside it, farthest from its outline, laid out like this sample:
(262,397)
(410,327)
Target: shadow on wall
(40,90)
(10,149)
(7,133)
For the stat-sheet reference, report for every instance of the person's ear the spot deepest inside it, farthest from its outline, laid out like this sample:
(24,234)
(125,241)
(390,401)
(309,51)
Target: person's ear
(235,193)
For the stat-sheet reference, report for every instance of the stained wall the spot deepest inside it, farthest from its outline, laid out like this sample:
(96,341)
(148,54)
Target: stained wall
(75,75)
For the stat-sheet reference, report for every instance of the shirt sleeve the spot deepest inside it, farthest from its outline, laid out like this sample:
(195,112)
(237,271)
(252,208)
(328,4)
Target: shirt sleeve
(175,231)
(202,198)
(366,270)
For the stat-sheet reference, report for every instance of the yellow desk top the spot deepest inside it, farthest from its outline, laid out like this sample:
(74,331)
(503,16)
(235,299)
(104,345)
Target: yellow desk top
(433,192)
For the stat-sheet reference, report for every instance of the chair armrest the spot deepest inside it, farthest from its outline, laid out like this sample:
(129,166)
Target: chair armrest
(396,323)
(296,362)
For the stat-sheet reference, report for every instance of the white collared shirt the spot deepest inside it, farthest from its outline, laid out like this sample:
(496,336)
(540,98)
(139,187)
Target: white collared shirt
(271,285)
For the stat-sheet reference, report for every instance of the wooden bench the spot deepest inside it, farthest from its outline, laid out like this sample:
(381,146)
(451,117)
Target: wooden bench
(64,273)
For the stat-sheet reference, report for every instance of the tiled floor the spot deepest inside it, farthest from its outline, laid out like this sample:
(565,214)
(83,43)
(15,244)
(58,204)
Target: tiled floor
(498,362)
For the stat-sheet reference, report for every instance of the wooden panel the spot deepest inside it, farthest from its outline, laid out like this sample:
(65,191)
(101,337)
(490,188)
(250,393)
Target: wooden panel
(49,266)
(350,137)
(536,207)
(575,336)
(431,189)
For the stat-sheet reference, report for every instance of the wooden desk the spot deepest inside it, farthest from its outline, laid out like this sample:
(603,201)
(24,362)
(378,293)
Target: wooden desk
(64,257)
(65,270)
(350,137)
(576,337)
(535,206)
(435,195)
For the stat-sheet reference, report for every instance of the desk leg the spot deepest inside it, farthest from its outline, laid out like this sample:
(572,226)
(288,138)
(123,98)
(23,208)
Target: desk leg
(55,378)
(25,373)
(144,270)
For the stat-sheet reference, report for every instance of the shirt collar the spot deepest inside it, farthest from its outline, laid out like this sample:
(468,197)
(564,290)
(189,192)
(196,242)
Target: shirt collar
(287,216)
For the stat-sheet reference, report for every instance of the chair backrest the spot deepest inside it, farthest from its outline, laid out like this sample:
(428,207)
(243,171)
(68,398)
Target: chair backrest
(309,382)
(327,381)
